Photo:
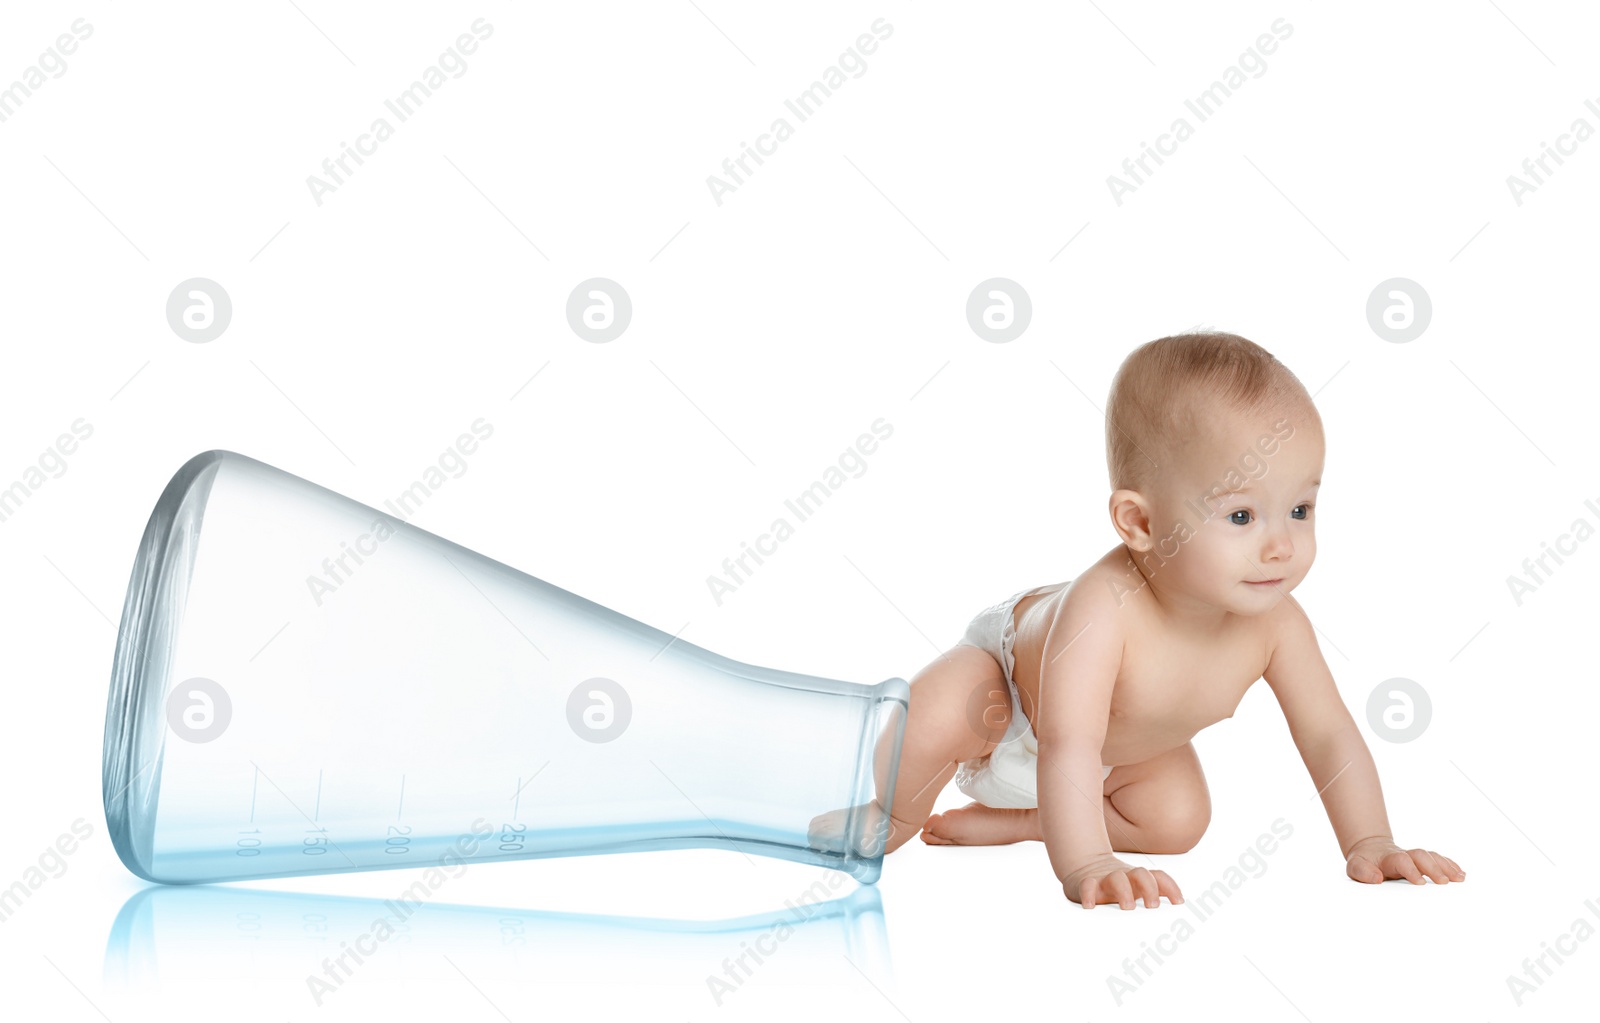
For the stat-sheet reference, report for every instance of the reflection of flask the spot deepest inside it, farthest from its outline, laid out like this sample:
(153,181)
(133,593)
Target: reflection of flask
(221,932)
(304,684)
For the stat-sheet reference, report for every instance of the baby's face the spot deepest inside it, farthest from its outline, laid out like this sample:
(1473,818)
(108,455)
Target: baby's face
(1235,516)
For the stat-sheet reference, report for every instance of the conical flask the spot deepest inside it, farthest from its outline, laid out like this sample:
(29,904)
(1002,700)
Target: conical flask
(304,684)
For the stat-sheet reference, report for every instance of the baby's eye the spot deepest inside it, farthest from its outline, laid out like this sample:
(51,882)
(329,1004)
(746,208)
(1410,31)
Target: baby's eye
(1234,518)
(1307,508)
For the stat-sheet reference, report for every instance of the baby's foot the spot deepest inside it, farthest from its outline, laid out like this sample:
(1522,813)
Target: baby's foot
(976,824)
(826,831)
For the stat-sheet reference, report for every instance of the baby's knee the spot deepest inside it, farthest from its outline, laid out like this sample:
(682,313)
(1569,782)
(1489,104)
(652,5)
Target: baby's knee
(1180,825)
(962,701)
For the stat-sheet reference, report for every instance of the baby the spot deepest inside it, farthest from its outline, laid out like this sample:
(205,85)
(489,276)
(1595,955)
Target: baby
(1066,710)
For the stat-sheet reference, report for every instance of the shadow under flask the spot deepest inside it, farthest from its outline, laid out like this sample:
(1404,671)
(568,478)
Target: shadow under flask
(304,684)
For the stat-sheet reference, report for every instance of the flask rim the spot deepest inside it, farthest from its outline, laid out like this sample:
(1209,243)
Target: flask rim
(135,730)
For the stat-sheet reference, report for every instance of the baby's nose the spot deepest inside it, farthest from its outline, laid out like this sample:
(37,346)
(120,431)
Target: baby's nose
(1277,547)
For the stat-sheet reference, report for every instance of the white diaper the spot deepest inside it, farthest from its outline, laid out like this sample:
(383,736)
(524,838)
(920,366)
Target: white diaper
(1009,775)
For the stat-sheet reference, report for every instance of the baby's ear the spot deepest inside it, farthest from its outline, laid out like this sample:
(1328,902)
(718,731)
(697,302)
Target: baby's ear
(1130,517)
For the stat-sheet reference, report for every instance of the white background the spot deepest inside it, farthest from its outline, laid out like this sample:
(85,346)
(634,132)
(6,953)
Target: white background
(768,332)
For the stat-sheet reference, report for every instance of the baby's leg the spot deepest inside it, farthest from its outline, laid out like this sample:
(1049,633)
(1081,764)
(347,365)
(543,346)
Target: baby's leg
(977,824)
(1160,805)
(959,710)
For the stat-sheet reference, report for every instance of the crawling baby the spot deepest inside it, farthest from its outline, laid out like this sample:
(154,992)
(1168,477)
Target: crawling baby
(1066,710)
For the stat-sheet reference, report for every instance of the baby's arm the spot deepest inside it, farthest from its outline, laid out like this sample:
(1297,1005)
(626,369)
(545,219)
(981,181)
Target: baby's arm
(1081,655)
(1341,766)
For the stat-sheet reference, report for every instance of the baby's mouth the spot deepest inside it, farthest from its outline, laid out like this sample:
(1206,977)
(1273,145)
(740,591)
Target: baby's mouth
(1262,582)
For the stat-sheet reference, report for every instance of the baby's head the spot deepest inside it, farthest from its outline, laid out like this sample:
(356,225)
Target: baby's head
(1215,451)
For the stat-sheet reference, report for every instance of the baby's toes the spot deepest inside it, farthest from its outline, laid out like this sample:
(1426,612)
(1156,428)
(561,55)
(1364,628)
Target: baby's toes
(826,831)
(932,831)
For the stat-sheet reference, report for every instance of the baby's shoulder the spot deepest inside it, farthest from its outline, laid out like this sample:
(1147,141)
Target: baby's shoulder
(1095,598)
(1110,584)
(1287,623)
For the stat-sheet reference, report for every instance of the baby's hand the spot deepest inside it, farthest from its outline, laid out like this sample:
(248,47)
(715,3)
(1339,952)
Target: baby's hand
(1375,860)
(1107,879)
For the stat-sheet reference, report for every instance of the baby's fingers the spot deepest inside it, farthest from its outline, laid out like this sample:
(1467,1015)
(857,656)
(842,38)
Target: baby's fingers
(1431,864)
(1364,870)
(1165,885)
(1096,890)
(1145,887)
(1116,884)
(1088,893)
(1399,864)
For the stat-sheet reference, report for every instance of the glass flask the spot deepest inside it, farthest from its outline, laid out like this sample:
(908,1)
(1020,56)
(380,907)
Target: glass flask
(304,684)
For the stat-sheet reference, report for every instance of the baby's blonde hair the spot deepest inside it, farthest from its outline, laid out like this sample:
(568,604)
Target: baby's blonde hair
(1163,386)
